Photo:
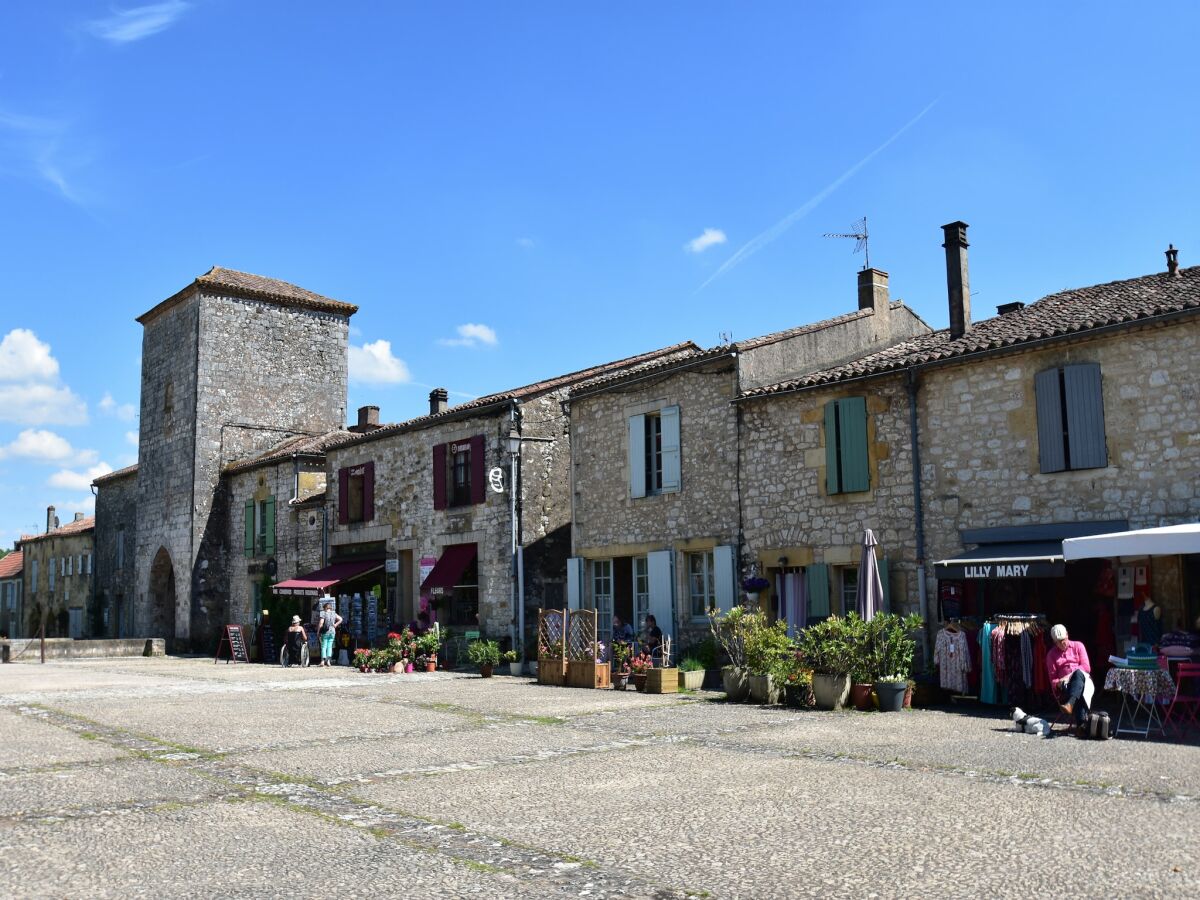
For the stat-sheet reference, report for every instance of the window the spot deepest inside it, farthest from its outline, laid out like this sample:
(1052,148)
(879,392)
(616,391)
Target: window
(260,527)
(1070,418)
(846,467)
(458,473)
(356,493)
(120,547)
(602,597)
(641,593)
(654,459)
(50,571)
(701,583)
(33,574)
(849,590)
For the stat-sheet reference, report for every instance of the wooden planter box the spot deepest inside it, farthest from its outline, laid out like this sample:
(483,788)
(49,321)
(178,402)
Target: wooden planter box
(693,681)
(662,681)
(552,670)
(589,674)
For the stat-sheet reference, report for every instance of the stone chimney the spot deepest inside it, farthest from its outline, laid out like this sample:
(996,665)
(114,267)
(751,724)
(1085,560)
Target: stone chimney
(873,291)
(438,401)
(78,516)
(51,519)
(368,420)
(1172,261)
(957,284)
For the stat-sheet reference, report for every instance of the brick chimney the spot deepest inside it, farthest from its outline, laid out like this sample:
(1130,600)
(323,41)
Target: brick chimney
(438,401)
(1172,261)
(51,519)
(368,420)
(957,284)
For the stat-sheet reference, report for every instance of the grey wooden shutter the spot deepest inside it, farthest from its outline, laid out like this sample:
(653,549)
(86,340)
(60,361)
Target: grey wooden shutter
(661,567)
(1085,416)
(249,528)
(270,523)
(1051,456)
(832,460)
(574,582)
(852,444)
(637,456)
(671,475)
(724,588)
(816,579)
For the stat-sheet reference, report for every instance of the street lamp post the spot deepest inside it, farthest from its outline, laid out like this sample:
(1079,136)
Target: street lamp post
(514,453)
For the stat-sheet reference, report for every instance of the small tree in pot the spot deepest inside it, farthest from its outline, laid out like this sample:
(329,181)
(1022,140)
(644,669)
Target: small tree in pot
(729,630)
(890,650)
(830,649)
(767,652)
(485,654)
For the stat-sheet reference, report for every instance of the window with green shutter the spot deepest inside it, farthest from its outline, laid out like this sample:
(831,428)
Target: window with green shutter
(846,463)
(249,528)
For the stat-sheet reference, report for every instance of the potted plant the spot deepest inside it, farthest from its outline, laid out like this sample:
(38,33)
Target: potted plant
(427,646)
(485,654)
(767,658)
(622,653)
(514,661)
(729,632)
(797,688)
(691,673)
(640,666)
(828,650)
(362,659)
(890,649)
(753,586)
(552,662)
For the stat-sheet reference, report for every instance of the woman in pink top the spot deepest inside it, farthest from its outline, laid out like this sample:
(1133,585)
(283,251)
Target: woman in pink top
(1068,666)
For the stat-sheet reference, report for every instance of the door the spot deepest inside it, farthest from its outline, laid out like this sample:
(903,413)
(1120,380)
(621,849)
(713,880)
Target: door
(76,621)
(661,566)
(602,597)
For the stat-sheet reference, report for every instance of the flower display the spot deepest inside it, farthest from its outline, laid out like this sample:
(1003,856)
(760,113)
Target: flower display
(754,584)
(641,664)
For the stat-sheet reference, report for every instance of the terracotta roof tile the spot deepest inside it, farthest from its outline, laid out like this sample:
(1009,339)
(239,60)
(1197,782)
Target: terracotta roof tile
(10,565)
(1065,314)
(253,287)
(78,526)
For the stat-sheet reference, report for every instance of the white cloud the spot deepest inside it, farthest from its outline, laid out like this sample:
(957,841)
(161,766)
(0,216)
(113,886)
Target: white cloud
(123,411)
(373,363)
(41,404)
(128,25)
(46,447)
(131,437)
(710,237)
(470,335)
(526,243)
(25,358)
(78,481)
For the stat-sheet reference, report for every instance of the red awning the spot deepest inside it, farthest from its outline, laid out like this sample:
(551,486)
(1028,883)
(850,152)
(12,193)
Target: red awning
(314,582)
(450,567)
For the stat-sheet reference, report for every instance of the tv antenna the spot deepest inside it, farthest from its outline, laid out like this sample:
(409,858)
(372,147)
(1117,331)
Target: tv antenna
(859,233)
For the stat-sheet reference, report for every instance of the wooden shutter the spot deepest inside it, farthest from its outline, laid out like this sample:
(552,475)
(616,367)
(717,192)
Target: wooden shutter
(671,474)
(269,513)
(852,444)
(439,476)
(1051,457)
(478,466)
(1085,416)
(816,579)
(884,580)
(575,582)
(368,492)
(343,496)
(832,460)
(249,528)
(723,578)
(637,456)
(660,565)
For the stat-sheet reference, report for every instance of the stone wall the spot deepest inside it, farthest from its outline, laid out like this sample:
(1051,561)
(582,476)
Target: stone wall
(116,586)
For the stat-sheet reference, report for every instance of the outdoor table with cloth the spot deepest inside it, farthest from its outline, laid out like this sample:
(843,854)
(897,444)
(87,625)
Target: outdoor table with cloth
(1140,690)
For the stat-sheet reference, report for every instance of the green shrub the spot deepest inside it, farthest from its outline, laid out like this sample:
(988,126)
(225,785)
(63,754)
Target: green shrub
(690,664)
(834,646)
(768,649)
(483,653)
(509,656)
(888,647)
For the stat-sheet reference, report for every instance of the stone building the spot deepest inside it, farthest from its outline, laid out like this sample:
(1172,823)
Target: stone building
(57,585)
(672,479)
(116,540)
(433,497)
(232,365)
(11,593)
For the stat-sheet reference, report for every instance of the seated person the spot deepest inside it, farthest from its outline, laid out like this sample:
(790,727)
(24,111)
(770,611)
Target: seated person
(297,637)
(621,631)
(1069,670)
(652,637)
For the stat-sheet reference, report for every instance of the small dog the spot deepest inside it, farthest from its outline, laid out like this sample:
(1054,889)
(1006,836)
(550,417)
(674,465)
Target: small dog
(1029,724)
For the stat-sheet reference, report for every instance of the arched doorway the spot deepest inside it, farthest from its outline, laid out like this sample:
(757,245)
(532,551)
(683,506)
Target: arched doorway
(162,596)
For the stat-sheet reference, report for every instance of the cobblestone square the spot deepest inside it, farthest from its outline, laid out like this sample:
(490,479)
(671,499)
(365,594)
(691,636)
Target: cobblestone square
(178,777)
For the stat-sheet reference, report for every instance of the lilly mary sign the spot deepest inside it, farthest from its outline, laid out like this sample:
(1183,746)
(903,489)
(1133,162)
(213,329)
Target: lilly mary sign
(965,571)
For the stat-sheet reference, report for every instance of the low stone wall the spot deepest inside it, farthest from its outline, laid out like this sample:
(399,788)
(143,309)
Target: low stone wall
(27,650)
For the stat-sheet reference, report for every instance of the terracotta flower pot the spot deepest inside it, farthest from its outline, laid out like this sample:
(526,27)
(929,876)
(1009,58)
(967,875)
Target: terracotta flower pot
(485,670)
(860,696)
(620,681)
(431,666)
(639,680)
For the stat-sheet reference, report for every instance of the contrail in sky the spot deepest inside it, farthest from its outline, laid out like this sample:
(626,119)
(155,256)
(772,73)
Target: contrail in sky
(759,241)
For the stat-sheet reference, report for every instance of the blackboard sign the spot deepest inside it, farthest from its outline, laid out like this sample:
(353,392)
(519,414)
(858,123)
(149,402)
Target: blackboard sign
(235,640)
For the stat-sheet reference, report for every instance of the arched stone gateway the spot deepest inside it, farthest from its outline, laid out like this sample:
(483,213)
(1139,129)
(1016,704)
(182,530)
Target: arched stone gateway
(162,597)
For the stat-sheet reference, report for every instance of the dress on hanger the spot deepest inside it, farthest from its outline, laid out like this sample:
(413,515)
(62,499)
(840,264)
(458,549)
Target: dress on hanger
(987,678)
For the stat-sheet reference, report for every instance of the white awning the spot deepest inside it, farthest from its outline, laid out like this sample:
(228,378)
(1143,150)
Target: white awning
(1170,540)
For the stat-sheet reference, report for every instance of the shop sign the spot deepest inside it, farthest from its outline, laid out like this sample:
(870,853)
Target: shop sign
(1003,570)
(391,566)
(427,564)
(496,480)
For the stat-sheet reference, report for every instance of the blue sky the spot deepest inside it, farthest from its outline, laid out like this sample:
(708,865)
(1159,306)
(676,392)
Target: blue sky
(514,190)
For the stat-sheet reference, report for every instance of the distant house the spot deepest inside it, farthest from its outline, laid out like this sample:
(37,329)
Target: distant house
(57,574)
(11,588)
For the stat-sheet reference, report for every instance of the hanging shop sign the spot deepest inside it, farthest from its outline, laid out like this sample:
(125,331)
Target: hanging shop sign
(496,480)
(979,571)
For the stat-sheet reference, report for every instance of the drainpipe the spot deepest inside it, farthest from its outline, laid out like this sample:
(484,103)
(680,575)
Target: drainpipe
(919,511)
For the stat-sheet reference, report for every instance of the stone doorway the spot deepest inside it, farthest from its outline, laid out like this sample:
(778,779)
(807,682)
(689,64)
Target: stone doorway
(162,597)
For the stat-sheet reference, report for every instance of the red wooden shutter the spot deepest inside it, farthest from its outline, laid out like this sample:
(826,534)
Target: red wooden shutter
(478,494)
(369,492)
(439,476)
(343,496)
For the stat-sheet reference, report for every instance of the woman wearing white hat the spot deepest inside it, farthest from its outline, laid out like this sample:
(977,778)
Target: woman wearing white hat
(1070,674)
(297,637)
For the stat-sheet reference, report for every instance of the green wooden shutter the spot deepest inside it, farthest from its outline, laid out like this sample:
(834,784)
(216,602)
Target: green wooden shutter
(270,515)
(852,444)
(832,462)
(249,528)
(637,456)
(816,579)
(883,580)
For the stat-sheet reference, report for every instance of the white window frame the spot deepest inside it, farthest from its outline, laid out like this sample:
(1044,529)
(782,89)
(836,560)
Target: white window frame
(641,593)
(601,583)
(701,575)
(848,588)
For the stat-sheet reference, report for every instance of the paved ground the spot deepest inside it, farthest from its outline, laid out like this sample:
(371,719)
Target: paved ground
(170,777)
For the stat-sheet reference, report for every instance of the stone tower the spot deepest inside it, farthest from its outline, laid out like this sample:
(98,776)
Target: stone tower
(231,365)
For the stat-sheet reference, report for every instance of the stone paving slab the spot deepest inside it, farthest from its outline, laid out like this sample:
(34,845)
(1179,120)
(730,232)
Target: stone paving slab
(759,826)
(985,742)
(245,849)
(83,788)
(26,743)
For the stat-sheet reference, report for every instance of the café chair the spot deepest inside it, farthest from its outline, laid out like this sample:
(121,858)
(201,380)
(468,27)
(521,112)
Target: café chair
(1188,701)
